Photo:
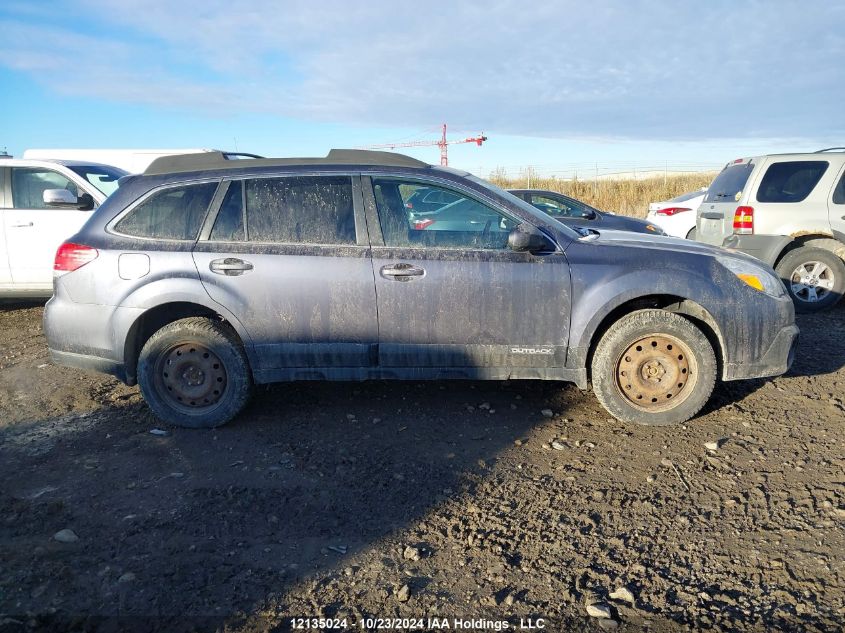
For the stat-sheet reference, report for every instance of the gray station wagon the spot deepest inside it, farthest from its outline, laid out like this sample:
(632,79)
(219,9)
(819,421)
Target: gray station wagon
(204,276)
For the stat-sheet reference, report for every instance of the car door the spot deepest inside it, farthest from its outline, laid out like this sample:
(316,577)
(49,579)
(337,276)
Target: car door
(452,295)
(836,207)
(33,230)
(287,256)
(5,273)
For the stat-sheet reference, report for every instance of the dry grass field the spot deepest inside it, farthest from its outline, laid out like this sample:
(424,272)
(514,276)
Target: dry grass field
(625,196)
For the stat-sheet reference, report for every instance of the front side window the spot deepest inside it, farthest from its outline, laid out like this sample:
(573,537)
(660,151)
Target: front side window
(170,214)
(300,210)
(790,181)
(457,222)
(30,183)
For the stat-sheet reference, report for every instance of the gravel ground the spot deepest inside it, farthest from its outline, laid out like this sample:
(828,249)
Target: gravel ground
(485,501)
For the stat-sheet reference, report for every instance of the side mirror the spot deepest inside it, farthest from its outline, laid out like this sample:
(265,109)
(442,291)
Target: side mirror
(64,199)
(527,238)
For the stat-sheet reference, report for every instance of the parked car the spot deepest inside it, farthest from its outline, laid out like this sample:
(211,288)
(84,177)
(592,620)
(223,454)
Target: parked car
(42,202)
(787,210)
(573,212)
(202,277)
(677,216)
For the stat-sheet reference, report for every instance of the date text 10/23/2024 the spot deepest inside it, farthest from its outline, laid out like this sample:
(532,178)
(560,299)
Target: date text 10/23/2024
(417,624)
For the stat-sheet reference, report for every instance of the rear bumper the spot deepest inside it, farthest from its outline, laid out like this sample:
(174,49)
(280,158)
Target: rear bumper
(764,247)
(775,361)
(89,362)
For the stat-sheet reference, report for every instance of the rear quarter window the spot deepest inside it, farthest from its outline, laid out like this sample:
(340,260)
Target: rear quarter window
(790,181)
(170,214)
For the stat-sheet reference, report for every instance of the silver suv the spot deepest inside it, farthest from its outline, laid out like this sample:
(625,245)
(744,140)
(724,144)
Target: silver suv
(789,211)
(204,276)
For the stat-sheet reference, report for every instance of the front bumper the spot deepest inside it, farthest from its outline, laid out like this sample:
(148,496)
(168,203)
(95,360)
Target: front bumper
(775,361)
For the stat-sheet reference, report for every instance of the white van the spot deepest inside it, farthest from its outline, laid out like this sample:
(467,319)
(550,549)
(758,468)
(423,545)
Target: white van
(134,161)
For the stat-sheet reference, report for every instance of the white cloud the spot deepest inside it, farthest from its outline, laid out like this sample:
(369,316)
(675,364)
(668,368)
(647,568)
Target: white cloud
(615,69)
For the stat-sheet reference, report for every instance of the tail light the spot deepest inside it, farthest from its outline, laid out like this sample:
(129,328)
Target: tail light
(72,256)
(744,220)
(672,210)
(419,225)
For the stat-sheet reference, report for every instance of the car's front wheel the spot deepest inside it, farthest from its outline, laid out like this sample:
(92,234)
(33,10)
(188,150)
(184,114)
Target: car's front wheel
(194,373)
(814,278)
(653,367)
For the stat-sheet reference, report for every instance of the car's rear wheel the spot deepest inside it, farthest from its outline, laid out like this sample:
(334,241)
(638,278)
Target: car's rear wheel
(691,234)
(653,367)
(194,373)
(814,278)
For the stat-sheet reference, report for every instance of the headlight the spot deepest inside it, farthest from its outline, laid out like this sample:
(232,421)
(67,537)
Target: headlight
(755,276)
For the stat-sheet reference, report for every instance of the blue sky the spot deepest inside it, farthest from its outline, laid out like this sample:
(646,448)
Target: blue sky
(560,86)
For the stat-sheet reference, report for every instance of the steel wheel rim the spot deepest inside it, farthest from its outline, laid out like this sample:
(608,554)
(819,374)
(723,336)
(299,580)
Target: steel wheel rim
(191,377)
(656,372)
(812,281)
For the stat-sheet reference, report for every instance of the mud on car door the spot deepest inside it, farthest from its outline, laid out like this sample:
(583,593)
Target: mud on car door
(452,295)
(286,257)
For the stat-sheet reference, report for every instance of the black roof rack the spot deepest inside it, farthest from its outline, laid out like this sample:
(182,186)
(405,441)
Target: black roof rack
(204,161)
(831,149)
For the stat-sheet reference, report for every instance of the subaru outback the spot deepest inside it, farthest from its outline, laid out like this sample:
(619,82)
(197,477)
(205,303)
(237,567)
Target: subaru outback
(202,277)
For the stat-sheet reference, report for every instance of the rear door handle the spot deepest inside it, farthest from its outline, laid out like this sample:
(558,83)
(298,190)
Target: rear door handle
(713,215)
(21,226)
(230,266)
(401,272)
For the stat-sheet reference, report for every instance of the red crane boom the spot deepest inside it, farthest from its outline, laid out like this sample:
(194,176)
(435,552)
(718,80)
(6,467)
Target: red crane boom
(443,143)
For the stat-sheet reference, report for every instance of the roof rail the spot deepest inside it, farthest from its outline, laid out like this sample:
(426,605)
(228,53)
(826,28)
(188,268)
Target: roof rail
(206,161)
(831,149)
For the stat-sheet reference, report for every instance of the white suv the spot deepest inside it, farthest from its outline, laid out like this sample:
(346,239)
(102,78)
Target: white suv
(789,211)
(42,203)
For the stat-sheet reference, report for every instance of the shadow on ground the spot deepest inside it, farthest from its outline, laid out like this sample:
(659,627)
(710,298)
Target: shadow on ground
(213,522)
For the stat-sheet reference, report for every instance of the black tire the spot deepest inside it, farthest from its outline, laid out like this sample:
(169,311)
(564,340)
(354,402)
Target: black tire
(653,367)
(194,373)
(691,234)
(814,278)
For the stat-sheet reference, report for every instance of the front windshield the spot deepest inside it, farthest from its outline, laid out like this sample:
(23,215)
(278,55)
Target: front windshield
(102,177)
(529,208)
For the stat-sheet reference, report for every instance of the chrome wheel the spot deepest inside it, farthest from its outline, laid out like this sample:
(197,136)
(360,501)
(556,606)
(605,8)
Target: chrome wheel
(191,376)
(812,281)
(656,372)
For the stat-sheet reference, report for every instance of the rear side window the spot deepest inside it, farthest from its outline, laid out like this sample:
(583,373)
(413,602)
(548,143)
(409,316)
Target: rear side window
(728,185)
(300,210)
(170,214)
(791,181)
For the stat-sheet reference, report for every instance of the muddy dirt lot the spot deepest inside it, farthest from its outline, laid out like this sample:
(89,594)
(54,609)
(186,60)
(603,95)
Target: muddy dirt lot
(418,500)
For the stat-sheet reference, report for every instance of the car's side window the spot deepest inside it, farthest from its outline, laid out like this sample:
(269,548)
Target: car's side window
(300,210)
(30,183)
(459,221)
(790,181)
(839,192)
(554,207)
(170,214)
(229,225)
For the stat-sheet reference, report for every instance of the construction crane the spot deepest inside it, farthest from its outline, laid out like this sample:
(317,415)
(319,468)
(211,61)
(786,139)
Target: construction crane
(443,143)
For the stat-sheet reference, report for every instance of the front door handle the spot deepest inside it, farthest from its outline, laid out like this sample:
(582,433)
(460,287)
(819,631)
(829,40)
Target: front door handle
(22,226)
(230,266)
(401,272)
